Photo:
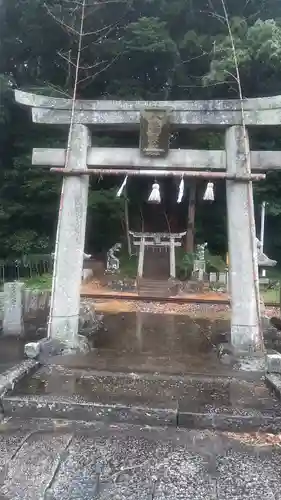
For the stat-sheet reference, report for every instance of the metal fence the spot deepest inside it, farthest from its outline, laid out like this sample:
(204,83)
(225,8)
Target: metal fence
(25,267)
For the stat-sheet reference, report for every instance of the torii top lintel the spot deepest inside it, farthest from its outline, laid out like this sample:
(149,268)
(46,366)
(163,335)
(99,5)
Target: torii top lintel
(222,112)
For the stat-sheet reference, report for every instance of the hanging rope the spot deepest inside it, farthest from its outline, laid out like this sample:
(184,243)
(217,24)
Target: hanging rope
(121,189)
(181,191)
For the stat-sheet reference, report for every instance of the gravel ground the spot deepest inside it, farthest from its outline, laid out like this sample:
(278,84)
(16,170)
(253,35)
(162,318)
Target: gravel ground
(194,310)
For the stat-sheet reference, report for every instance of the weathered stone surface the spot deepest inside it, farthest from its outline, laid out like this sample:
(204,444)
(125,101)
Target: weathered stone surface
(68,265)
(274,382)
(34,300)
(257,103)
(13,308)
(55,407)
(213,277)
(273,362)
(245,333)
(209,402)
(123,462)
(261,111)
(89,321)
(44,348)
(131,119)
(223,278)
(154,132)
(48,347)
(9,378)
(178,159)
(32,349)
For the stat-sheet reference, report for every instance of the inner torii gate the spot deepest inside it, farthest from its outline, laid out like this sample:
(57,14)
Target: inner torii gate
(154,159)
(161,240)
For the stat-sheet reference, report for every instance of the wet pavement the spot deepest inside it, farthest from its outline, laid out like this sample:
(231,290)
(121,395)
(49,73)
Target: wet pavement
(154,343)
(154,370)
(11,352)
(223,403)
(12,347)
(99,435)
(67,461)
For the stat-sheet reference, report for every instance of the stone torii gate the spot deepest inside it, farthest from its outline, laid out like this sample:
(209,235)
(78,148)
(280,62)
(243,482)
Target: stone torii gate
(161,240)
(154,160)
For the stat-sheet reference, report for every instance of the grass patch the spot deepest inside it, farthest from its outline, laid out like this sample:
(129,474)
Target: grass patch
(271,296)
(128,266)
(43,282)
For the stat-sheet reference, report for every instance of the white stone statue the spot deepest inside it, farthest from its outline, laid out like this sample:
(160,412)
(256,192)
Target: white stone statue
(113,263)
(263,260)
(199,265)
(200,251)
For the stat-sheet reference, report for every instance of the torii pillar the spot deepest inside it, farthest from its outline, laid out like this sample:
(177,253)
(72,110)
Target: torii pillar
(70,240)
(246,335)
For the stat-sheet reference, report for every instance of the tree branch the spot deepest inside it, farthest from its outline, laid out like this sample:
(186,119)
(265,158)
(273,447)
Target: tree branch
(67,27)
(101,71)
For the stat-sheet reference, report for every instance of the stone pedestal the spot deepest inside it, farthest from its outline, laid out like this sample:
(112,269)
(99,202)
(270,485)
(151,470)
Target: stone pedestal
(141,257)
(172,259)
(213,277)
(68,263)
(245,331)
(200,268)
(13,308)
(223,278)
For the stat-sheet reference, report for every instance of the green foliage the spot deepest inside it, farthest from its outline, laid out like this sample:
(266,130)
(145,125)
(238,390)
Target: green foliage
(149,34)
(128,265)
(142,49)
(255,45)
(105,214)
(214,263)
(43,282)
(27,241)
(184,264)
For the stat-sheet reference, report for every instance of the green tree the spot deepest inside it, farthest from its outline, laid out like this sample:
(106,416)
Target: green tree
(137,49)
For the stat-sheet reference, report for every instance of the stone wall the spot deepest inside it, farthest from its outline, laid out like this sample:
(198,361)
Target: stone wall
(33,301)
(23,311)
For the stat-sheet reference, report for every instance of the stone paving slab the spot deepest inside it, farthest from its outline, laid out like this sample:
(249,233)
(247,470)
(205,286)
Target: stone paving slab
(62,407)
(120,462)
(200,392)
(191,402)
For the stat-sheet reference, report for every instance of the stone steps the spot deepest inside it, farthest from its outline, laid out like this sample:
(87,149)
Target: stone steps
(194,402)
(156,264)
(156,288)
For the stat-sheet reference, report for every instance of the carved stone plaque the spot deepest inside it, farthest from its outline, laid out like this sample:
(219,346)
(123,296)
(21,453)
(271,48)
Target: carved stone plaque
(154,132)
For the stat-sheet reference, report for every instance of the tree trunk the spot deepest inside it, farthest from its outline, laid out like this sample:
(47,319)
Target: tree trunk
(189,241)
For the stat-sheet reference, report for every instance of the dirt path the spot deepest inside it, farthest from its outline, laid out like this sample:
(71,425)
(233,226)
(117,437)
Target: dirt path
(196,310)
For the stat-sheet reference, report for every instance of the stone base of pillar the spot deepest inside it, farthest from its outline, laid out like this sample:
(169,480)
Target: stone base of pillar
(45,348)
(64,330)
(246,339)
(244,360)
